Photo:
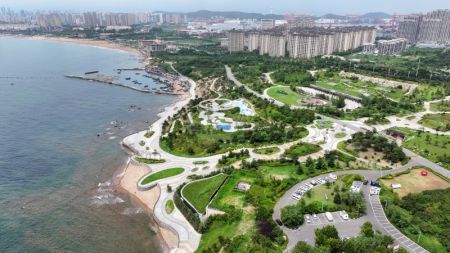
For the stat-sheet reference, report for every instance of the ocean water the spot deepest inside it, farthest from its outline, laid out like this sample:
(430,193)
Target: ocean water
(56,192)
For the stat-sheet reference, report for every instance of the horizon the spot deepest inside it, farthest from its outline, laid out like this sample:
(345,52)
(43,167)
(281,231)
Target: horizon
(317,8)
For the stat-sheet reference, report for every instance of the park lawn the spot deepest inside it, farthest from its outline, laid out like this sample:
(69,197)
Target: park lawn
(440,122)
(199,193)
(442,106)
(414,182)
(162,174)
(285,95)
(302,149)
(170,206)
(228,195)
(340,135)
(228,231)
(267,151)
(322,194)
(338,85)
(149,161)
(431,146)
(279,171)
(323,124)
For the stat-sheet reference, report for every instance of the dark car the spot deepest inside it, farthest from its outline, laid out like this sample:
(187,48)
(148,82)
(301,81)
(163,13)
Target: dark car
(278,221)
(365,182)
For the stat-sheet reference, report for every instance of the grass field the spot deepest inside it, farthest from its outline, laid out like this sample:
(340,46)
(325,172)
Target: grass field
(340,135)
(170,206)
(162,174)
(149,161)
(199,193)
(440,122)
(267,151)
(285,95)
(431,146)
(228,195)
(301,149)
(414,182)
(442,106)
(323,124)
(360,89)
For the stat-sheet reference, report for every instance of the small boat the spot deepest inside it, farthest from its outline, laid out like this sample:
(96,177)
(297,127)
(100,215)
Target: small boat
(128,78)
(91,72)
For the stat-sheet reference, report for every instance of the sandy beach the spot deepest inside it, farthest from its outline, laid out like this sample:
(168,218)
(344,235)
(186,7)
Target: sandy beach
(147,199)
(89,42)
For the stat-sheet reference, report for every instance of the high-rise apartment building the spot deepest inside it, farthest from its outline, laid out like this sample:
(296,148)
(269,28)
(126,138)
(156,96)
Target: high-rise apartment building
(431,27)
(253,40)
(267,24)
(236,40)
(391,47)
(272,43)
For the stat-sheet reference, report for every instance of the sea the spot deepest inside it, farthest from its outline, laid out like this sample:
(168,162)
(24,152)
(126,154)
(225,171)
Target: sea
(60,149)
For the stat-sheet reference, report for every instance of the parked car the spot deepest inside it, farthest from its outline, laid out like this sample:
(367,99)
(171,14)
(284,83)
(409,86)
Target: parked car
(278,221)
(365,182)
(308,218)
(343,215)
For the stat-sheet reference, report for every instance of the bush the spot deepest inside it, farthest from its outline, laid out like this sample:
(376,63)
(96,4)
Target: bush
(292,216)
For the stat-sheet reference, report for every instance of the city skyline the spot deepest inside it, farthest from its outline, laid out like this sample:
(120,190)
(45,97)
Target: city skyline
(320,7)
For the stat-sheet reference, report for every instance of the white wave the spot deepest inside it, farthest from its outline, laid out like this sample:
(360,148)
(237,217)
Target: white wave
(132,211)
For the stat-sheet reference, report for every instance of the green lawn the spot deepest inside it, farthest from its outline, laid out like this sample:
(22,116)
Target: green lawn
(442,106)
(149,161)
(360,89)
(199,193)
(170,206)
(162,174)
(433,147)
(340,135)
(267,151)
(228,195)
(440,122)
(301,149)
(324,124)
(285,95)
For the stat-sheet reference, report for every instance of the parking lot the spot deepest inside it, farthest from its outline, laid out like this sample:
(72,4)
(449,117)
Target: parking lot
(303,188)
(320,219)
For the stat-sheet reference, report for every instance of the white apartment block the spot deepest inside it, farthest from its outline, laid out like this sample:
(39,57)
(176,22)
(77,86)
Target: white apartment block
(391,47)
(236,41)
(431,27)
(272,44)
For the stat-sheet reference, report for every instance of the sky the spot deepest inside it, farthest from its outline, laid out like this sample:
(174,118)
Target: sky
(315,7)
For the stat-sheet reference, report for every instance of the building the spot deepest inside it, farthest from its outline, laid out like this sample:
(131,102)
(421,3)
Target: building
(272,43)
(408,27)
(391,47)
(153,45)
(311,42)
(301,42)
(435,27)
(236,41)
(432,27)
(253,40)
(267,24)
(369,48)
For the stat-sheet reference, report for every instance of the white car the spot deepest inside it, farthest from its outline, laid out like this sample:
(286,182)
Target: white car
(333,176)
(313,182)
(343,215)
(308,218)
(296,196)
(315,216)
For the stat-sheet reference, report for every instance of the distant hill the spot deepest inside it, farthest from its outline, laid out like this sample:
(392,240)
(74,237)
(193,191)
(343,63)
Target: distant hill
(333,16)
(232,14)
(376,15)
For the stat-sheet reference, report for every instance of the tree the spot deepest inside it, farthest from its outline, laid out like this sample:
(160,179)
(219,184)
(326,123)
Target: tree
(328,236)
(367,230)
(337,198)
(292,216)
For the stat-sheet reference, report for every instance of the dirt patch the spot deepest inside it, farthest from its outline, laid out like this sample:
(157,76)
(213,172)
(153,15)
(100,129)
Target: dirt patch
(372,155)
(414,182)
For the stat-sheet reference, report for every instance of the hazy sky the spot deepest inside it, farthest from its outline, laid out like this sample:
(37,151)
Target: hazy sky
(262,6)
